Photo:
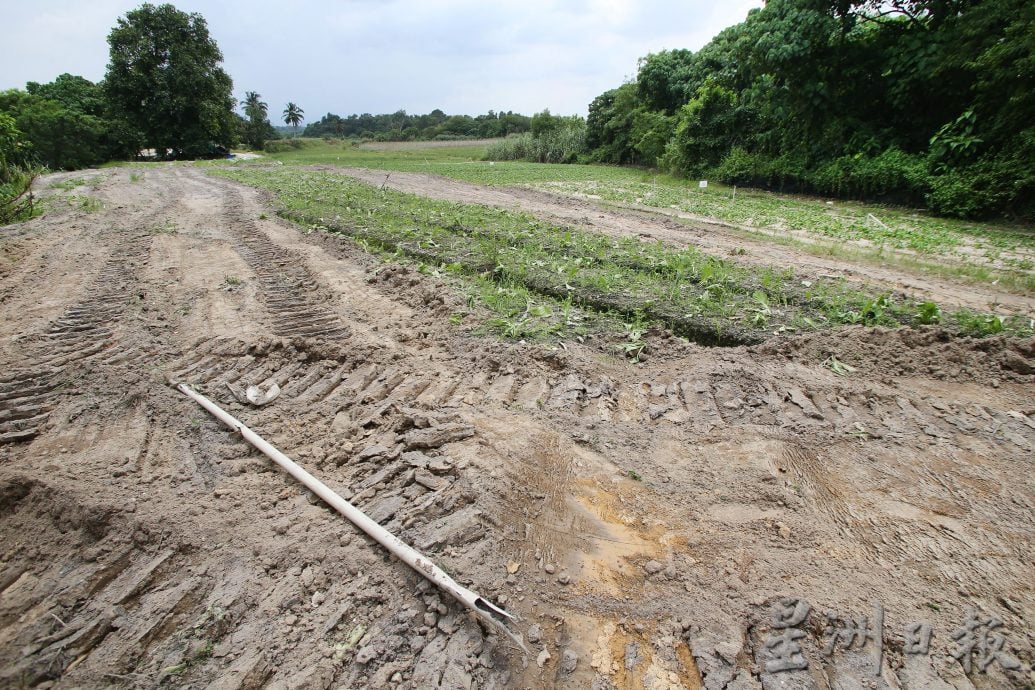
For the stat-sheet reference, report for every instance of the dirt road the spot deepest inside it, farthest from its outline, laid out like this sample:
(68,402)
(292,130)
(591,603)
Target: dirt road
(644,521)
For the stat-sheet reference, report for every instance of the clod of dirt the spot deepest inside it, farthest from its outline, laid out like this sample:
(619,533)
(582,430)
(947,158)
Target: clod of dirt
(569,661)
(436,436)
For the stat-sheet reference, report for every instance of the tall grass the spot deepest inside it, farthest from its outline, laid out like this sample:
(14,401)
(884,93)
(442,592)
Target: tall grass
(561,145)
(16,199)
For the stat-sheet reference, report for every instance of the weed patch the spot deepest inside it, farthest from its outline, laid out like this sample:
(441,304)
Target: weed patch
(981,252)
(524,270)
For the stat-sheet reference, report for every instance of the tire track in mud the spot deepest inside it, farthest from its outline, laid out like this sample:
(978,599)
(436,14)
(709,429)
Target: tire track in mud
(287,287)
(67,610)
(367,398)
(85,331)
(318,377)
(238,578)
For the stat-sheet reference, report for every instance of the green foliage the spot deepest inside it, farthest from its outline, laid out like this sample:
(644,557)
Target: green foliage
(531,274)
(892,175)
(706,129)
(436,125)
(16,173)
(282,145)
(662,78)
(561,140)
(14,150)
(256,128)
(293,115)
(66,123)
(609,125)
(988,186)
(166,81)
(545,123)
(63,139)
(979,325)
(649,135)
(955,143)
(72,92)
(912,102)
(928,314)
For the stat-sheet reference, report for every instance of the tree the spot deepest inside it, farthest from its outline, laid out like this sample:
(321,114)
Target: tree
(165,80)
(65,124)
(73,92)
(293,115)
(257,128)
(254,107)
(660,79)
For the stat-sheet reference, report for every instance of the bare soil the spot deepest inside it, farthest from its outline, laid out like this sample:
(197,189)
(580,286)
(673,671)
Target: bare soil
(642,520)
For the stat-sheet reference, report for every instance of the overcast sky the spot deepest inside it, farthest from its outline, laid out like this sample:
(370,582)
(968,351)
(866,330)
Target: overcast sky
(354,56)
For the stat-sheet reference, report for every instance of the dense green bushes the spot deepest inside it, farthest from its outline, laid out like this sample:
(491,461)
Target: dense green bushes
(918,102)
(554,142)
(16,173)
(65,123)
(282,145)
(401,126)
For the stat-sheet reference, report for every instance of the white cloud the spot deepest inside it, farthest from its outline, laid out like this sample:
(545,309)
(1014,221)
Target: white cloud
(382,55)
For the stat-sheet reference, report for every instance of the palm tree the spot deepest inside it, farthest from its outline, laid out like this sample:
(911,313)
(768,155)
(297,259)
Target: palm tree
(254,108)
(293,115)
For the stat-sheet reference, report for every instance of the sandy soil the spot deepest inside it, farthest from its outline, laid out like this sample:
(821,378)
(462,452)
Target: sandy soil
(643,521)
(714,238)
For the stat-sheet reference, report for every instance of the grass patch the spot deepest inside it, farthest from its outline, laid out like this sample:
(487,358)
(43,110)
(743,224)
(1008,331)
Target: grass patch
(976,251)
(85,203)
(520,267)
(68,185)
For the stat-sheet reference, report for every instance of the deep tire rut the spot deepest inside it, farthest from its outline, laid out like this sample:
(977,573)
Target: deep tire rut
(288,289)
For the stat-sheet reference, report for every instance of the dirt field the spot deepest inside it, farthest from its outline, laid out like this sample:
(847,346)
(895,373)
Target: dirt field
(643,520)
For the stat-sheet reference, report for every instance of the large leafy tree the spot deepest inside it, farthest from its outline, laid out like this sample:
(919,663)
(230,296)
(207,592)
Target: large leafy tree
(293,115)
(73,92)
(166,80)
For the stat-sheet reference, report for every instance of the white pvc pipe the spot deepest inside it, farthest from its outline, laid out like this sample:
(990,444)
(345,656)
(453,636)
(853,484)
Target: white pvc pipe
(484,609)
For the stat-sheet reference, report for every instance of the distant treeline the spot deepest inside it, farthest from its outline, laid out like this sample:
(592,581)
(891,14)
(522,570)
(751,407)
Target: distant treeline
(400,126)
(927,102)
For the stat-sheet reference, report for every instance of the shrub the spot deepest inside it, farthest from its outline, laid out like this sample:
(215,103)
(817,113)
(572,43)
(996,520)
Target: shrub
(893,175)
(741,167)
(561,145)
(16,173)
(977,191)
(997,184)
(282,145)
